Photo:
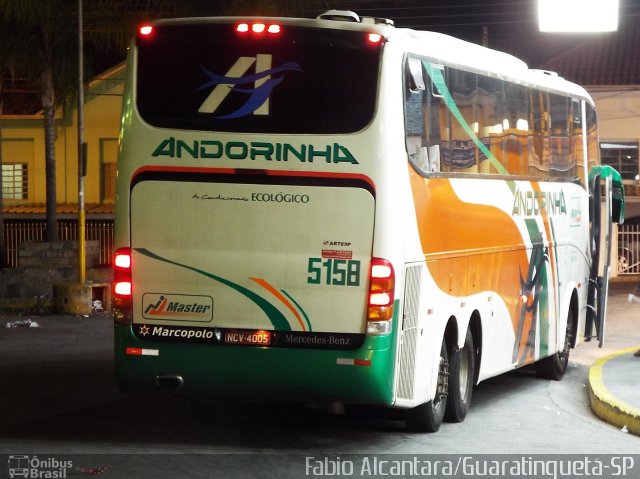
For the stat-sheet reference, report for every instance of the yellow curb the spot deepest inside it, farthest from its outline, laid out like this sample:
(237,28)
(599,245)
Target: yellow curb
(605,405)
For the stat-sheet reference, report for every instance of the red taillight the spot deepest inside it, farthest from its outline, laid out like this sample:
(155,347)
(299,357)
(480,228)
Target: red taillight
(123,288)
(122,258)
(122,274)
(381,289)
(145,31)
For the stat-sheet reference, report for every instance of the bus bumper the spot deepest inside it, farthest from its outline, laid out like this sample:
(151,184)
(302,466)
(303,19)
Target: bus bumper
(361,376)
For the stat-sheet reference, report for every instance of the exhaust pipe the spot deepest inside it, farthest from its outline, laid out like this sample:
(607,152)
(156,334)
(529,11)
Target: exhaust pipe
(169,382)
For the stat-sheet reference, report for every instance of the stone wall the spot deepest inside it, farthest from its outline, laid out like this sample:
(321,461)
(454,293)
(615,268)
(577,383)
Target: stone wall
(42,264)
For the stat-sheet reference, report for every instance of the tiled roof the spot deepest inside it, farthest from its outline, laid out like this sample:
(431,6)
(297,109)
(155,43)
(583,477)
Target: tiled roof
(602,60)
(62,209)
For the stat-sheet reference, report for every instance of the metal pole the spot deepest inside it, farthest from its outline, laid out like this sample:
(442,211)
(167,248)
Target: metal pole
(82,264)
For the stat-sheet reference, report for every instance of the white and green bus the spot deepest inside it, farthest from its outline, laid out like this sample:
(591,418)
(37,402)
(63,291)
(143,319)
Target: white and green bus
(338,210)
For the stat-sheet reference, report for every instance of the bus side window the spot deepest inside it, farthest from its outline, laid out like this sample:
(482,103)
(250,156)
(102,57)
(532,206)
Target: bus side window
(577,145)
(560,161)
(463,156)
(539,151)
(422,127)
(593,151)
(490,120)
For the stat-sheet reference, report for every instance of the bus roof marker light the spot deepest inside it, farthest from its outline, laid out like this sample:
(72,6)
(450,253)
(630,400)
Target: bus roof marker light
(258,27)
(146,30)
(242,27)
(374,37)
(274,28)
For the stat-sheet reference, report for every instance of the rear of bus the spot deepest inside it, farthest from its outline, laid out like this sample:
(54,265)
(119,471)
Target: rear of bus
(246,213)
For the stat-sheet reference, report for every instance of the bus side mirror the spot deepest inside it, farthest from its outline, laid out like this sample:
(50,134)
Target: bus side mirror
(416,80)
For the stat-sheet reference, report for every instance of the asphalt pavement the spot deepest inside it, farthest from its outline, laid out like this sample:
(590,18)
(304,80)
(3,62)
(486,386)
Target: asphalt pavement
(614,389)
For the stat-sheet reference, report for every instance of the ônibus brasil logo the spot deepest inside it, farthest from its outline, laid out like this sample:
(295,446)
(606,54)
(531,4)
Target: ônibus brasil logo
(234,81)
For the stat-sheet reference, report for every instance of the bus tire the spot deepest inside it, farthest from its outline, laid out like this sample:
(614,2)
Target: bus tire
(462,372)
(555,366)
(428,417)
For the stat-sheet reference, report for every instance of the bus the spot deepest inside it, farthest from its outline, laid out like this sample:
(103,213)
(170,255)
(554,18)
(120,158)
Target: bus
(337,210)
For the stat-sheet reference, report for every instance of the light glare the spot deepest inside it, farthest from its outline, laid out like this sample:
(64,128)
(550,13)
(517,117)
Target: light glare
(572,16)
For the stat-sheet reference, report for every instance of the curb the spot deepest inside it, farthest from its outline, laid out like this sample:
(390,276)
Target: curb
(605,405)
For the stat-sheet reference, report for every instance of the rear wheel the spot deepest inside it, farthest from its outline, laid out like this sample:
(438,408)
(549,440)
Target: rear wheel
(555,366)
(462,369)
(428,417)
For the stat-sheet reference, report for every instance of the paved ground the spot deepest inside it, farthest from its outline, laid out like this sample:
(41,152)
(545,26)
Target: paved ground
(57,396)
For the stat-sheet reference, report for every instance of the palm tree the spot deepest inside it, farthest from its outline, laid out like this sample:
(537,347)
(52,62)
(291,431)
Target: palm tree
(47,28)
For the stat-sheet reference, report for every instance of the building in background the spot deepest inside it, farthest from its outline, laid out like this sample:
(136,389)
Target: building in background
(608,65)
(23,168)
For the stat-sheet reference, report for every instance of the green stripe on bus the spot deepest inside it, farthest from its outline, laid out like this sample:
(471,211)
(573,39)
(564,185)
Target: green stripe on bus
(304,314)
(278,320)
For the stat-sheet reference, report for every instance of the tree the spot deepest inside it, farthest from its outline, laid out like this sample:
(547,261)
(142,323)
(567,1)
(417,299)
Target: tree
(48,26)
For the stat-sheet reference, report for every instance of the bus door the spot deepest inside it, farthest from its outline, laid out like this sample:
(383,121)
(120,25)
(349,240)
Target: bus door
(606,207)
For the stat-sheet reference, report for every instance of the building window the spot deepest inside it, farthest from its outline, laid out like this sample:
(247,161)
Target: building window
(623,156)
(108,182)
(108,168)
(15,181)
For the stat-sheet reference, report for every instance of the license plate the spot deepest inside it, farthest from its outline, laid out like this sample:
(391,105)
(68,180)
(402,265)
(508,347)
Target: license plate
(253,338)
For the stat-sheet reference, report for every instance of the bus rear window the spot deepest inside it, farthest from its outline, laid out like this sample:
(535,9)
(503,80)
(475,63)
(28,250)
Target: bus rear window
(299,80)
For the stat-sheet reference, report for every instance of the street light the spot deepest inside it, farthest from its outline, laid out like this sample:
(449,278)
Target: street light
(575,16)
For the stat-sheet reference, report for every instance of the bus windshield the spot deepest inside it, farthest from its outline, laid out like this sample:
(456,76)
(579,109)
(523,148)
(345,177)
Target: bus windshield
(213,77)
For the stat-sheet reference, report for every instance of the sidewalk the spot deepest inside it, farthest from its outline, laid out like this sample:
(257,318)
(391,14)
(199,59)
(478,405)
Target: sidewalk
(614,390)
(614,380)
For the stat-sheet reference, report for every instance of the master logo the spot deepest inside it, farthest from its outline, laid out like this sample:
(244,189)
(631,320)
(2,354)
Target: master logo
(180,307)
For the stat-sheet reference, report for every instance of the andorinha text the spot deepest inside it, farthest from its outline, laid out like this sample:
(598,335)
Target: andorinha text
(255,150)
(532,203)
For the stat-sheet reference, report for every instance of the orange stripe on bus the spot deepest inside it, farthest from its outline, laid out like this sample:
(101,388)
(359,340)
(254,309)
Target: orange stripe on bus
(470,248)
(284,300)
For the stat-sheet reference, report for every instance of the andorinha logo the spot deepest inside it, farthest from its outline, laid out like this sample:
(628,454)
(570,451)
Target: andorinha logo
(534,203)
(177,307)
(256,150)
(236,80)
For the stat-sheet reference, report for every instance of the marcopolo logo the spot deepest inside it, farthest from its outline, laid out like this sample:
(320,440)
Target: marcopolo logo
(177,307)
(237,81)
